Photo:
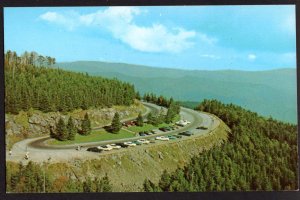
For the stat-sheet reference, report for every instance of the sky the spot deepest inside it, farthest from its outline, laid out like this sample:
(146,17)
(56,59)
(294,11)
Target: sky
(248,38)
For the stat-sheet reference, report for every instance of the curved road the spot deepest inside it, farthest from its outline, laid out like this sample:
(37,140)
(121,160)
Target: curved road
(40,152)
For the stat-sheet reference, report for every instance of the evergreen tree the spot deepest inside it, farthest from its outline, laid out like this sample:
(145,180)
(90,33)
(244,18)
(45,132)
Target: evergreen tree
(138,96)
(61,130)
(150,118)
(72,130)
(140,120)
(116,124)
(86,125)
(169,116)
(53,133)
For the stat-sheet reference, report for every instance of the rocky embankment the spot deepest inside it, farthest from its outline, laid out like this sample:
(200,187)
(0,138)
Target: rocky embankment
(35,123)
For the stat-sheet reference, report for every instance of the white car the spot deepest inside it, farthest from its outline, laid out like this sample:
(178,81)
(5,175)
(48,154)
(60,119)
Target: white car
(186,121)
(163,138)
(182,123)
(130,144)
(114,146)
(105,148)
(143,141)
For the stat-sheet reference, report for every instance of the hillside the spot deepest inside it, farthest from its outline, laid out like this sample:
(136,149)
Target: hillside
(126,169)
(260,155)
(270,93)
(28,85)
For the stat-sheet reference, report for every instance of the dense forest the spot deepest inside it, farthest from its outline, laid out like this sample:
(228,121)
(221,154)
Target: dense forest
(261,155)
(35,178)
(31,82)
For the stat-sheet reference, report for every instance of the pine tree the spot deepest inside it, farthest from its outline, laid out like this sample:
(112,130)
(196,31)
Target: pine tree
(169,116)
(61,130)
(86,125)
(140,120)
(53,133)
(71,129)
(138,96)
(116,124)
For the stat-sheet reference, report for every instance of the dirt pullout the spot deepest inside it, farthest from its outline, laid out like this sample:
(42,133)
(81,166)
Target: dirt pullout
(127,170)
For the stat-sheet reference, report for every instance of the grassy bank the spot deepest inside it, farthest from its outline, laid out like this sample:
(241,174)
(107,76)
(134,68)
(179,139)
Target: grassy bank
(95,136)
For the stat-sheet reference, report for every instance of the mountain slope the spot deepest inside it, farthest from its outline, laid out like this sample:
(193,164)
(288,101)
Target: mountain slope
(270,93)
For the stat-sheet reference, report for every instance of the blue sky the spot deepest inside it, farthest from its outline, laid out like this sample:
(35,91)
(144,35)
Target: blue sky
(188,37)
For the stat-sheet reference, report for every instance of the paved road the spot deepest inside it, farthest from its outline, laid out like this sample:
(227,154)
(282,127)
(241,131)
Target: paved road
(40,152)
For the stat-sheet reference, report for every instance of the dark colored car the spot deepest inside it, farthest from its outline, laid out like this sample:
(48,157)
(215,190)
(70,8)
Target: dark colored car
(171,137)
(142,134)
(122,145)
(146,132)
(137,143)
(94,149)
(186,133)
(163,129)
(178,136)
(202,127)
(168,128)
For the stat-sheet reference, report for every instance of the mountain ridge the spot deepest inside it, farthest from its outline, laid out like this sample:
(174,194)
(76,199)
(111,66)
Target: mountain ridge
(269,92)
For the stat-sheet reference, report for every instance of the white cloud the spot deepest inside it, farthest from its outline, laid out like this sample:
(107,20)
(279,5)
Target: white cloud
(68,20)
(212,56)
(119,21)
(251,57)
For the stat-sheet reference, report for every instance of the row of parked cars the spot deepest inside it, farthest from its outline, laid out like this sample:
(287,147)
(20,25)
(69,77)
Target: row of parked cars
(164,129)
(110,147)
(144,133)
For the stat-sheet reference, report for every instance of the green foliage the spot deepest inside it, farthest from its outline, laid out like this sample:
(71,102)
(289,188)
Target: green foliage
(86,125)
(116,125)
(31,84)
(61,130)
(72,130)
(140,120)
(172,112)
(33,177)
(261,154)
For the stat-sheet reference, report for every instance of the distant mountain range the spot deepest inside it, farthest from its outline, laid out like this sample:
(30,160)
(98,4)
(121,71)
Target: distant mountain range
(269,93)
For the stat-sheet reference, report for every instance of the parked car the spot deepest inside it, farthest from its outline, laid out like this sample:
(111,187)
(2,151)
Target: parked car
(163,138)
(114,146)
(137,142)
(95,149)
(163,129)
(143,141)
(146,132)
(178,136)
(202,127)
(186,133)
(153,131)
(168,128)
(142,134)
(130,144)
(105,147)
(122,145)
(171,137)
(182,123)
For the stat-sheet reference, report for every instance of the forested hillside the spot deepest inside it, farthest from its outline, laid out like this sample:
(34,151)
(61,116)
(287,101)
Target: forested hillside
(260,155)
(33,178)
(31,82)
